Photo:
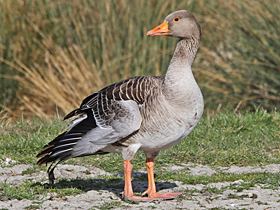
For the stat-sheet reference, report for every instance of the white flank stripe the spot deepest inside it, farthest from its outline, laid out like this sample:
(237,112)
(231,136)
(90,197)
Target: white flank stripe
(64,145)
(59,152)
(72,134)
(65,140)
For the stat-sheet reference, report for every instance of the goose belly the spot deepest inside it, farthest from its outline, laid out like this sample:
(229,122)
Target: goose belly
(163,134)
(169,122)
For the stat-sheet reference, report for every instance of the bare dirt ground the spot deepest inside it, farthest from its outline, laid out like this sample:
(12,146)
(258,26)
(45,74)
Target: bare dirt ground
(99,193)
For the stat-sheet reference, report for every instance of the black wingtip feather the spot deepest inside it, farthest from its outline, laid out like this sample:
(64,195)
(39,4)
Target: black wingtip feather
(48,147)
(59,148)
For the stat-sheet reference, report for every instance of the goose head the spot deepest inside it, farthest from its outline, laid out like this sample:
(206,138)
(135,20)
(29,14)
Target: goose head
(181,24)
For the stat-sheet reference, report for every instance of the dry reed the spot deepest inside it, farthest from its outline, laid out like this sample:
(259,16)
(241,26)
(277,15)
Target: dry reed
(71,48)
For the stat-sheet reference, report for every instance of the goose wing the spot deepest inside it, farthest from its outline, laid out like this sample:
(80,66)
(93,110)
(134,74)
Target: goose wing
(104,118)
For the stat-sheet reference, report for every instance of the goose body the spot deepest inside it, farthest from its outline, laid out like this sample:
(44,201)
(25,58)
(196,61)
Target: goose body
(146,112)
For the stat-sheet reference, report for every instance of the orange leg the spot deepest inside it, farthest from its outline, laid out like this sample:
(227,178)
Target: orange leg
(151,191)
(128,191)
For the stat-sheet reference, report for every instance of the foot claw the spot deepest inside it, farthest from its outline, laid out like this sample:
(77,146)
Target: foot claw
(145,193)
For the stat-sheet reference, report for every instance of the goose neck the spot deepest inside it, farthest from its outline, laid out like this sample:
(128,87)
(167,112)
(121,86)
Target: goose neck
(179,76)
(185,51)
(183,57)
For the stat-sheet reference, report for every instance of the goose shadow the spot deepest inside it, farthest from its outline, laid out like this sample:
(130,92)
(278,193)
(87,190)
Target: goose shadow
(114,185)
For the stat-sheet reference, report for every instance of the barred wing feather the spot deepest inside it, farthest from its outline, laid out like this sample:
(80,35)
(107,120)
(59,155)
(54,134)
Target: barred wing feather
(104,118)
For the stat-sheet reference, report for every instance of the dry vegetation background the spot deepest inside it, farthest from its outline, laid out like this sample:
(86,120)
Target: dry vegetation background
(54,53)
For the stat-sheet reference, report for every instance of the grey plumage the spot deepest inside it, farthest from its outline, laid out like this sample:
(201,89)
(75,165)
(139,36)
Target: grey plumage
(111,109)
(147,112)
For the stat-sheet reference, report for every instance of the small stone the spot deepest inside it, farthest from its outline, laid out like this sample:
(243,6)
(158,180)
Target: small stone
(8,161)
(238,182)
(252,195)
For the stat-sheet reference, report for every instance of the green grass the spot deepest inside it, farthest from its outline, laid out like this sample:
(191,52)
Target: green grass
(24,139)
(220,140)
(251,179)
(110,205)
(30,190)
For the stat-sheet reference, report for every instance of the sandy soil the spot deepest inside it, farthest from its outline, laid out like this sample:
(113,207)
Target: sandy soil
(97,193)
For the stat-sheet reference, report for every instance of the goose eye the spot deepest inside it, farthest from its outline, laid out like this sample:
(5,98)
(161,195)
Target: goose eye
(176,19)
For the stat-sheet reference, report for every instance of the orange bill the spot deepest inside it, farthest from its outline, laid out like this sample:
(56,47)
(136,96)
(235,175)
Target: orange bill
(161,30)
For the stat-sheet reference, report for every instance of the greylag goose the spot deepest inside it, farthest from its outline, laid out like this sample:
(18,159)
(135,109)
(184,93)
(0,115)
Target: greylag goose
(146,112)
